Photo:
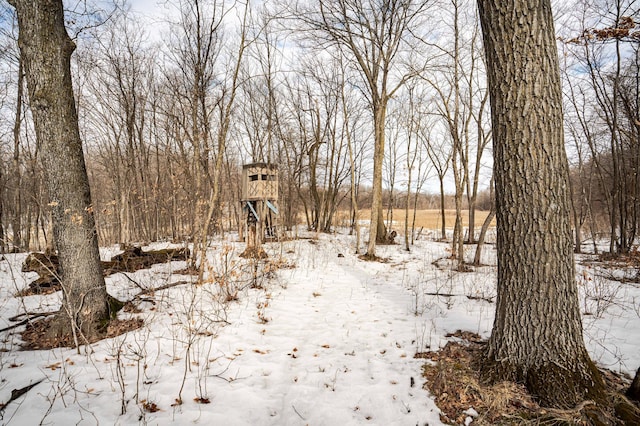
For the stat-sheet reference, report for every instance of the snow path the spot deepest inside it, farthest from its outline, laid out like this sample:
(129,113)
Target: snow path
(327,342)
(337,349)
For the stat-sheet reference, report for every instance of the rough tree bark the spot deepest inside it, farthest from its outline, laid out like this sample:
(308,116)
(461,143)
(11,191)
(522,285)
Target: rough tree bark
(537,334)
(46,50)
(634,389)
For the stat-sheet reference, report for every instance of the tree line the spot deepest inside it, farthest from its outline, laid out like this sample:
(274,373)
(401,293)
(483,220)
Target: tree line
(153,113)
(281,85)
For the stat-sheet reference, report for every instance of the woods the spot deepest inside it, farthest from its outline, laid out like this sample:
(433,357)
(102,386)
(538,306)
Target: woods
(152,115)
(112,134)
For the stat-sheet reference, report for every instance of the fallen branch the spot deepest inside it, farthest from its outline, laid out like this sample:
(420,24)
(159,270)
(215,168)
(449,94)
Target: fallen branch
(17,393)
(26,320)
(486,299)
(153,290)
(47,266)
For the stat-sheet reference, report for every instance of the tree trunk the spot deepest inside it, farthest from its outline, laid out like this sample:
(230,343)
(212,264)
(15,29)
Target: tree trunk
(458,230)
(577,225)
(352,171)
(485,226)
(225,120)
(537,334)
(377,230)
(472,220)
(3,246)
(477,260)
(46,51)
(443,219)
(634,390)
(16,224)
(406,211)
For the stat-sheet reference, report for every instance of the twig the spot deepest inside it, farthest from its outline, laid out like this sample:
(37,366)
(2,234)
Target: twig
(578,408)
(133,281)
(300,415)
(153,290)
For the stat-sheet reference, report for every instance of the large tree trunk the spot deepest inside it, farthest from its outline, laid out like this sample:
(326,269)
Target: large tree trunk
(634,390)
(537,334)
(46,51)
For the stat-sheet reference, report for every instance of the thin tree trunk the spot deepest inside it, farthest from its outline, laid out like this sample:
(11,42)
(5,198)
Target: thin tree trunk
(483,232)
(577,225)
(16,224)
(3,246)
(406,213)
(214,201)
(443,221)
(352,169)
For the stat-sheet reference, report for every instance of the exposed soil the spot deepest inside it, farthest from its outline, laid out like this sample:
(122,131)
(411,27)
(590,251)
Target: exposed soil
(35,333)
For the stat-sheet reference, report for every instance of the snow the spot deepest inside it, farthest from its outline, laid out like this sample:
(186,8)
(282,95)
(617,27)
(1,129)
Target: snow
(322,338)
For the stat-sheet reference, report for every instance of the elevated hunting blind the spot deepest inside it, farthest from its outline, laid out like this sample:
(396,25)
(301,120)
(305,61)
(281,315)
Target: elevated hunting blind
(259,202)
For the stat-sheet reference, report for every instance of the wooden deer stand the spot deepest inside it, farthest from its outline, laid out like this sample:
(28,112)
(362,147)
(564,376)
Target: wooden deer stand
(259,206)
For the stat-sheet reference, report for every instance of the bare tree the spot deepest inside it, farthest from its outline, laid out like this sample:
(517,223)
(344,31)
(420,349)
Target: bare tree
(413,121)
(394,132)
(605,46)
(461,99)
(372,35)
(46,51)
(349,122)
(119,79)
(440,153)
(16,171)
(226,107)
(195,48)
(537,333)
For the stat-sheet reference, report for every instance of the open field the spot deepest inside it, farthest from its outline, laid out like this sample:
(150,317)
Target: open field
(428,219)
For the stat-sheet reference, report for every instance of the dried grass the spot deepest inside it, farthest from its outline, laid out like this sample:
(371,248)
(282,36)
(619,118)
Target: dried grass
(427,219)
(453,378)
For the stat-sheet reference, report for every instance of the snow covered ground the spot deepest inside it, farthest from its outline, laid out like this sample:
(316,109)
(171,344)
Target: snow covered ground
(315,337)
